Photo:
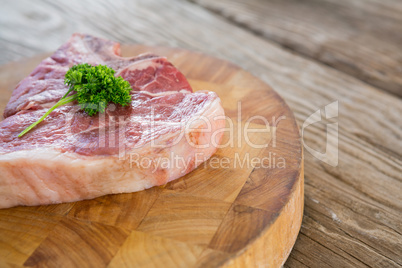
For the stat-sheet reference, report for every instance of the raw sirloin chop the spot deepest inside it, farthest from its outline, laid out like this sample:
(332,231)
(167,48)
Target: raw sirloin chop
(166,132)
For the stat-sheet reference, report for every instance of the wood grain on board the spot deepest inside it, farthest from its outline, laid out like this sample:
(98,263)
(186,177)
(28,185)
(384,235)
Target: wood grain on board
(352,211)
(210,217)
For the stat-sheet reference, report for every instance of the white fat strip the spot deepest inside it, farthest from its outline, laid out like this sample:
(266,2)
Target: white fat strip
(141,65)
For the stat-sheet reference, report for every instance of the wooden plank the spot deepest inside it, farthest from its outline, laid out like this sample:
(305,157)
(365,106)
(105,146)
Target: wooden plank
(185,218)
(357,37)
(144,250)
(368,177)
(17,224)
(75,243)
(117,210)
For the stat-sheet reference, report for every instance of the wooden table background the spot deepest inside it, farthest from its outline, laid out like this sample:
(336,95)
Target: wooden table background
(312,53)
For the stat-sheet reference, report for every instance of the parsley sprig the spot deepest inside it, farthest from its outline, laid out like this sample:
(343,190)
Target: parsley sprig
(94,86)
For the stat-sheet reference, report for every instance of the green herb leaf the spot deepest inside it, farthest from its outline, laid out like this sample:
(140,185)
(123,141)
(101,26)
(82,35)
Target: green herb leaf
(95,87)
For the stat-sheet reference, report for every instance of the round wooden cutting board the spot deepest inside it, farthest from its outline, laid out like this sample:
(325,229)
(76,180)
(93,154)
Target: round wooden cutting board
(242,208)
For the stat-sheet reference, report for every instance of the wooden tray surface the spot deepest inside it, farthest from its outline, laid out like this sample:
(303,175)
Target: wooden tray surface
(239,215)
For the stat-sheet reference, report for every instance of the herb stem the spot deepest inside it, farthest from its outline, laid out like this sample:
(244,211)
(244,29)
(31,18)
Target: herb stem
(61,102)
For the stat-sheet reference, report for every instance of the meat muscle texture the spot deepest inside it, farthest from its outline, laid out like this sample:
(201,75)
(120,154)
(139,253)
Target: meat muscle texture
(165,132)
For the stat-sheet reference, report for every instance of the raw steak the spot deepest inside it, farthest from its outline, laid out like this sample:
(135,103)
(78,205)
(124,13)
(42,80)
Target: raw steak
(166,132)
